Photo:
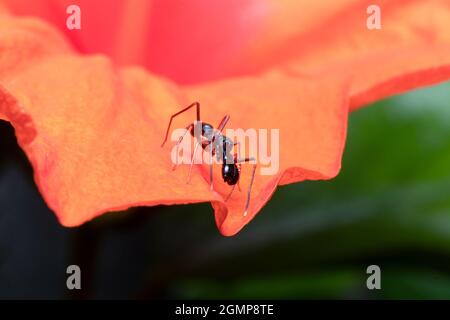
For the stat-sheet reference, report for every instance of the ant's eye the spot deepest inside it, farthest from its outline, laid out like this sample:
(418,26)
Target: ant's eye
(207,130)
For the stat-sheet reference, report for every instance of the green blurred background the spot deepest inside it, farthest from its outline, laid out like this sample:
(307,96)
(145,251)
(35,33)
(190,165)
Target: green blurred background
(389,206)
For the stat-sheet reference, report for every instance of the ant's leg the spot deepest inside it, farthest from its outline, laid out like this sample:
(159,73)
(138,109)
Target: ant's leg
(237,155)
(210,166)
(218,134)
(196,104)
(223,123)
(251,182)
(229,195)
(238,149)
(178,144)
(192,161)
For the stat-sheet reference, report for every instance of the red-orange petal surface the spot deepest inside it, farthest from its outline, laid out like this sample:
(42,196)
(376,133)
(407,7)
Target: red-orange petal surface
(92,130)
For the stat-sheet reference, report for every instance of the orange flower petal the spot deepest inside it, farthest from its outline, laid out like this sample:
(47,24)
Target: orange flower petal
(92,131)
(185,41)
(92,141)
(411,49)
(117,28)
(311,138)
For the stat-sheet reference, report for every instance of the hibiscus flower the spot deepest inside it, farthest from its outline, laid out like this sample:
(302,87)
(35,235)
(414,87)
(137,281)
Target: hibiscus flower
(90,106)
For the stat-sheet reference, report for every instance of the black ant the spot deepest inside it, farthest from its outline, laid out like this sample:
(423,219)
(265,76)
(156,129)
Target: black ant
(219,145)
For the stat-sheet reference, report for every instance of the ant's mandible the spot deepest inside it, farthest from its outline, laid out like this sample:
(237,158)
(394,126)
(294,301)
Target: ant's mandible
(219,145)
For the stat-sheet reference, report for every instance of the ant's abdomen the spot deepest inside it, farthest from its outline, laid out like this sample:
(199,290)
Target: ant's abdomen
(230,173)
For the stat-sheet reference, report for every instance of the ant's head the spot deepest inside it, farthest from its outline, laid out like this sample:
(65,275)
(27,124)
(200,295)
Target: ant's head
(202,129)
(207,130)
